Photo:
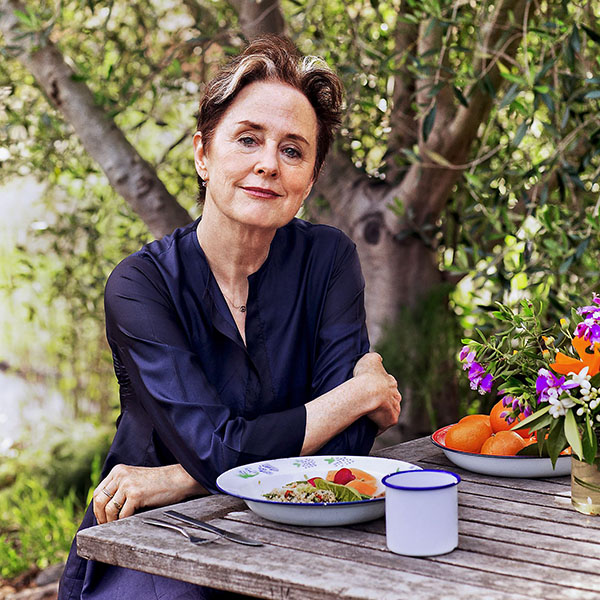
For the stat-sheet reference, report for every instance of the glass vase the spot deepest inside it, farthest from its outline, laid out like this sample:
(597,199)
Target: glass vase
(585,487)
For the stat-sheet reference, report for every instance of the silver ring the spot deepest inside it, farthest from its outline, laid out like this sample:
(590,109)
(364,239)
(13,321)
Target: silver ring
(119,506)
(107,493)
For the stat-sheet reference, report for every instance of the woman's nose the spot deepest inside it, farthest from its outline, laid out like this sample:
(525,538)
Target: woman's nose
(267,163)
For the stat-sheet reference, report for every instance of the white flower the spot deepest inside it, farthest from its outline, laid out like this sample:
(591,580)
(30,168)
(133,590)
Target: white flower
(594,404)
(580,412)
(558,408)
(581,379)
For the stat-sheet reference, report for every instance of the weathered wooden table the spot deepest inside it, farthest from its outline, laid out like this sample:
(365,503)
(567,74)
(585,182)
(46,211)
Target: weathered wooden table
(519,538)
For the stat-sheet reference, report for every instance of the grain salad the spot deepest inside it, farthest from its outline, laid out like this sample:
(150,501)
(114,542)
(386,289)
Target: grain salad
(300,491)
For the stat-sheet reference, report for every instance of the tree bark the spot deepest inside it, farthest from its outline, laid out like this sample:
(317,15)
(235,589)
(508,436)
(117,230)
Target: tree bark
(128,173)
(259,17)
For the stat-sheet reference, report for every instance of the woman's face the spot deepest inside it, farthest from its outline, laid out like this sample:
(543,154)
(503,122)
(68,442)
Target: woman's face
(259,163)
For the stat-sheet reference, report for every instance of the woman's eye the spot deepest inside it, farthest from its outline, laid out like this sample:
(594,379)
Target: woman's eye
(247,140)
(292,153)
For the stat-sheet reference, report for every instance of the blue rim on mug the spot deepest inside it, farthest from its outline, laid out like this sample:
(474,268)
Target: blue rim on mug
(421,489)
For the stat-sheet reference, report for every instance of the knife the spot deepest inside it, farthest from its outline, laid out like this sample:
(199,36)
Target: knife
(234,537)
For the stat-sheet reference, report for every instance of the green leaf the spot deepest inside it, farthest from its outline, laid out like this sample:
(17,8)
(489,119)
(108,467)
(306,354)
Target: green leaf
(26,19)
(511,94)
(428,122)
(566,265)
(437,158)
(547,99)
(574,40)
(515,79)
(589,441)
(540,418)
(521,131)
(556,441)
(342,492)
(572,434)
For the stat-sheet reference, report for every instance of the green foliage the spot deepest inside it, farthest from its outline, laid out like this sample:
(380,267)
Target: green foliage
(524,220)
(44,490)
(515,353)
(423,367)
(61,461)
(35,528)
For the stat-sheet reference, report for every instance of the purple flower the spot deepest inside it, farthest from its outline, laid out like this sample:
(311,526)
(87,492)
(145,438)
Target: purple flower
(527,411)
(591,310)
(549,387)
(485,385)
(480,380)
(467,356)
(589,329)
(507,401)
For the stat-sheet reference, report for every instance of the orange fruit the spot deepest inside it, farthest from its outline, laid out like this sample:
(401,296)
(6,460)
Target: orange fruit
(468,434)
(499,423)
(503,443)
(469,418)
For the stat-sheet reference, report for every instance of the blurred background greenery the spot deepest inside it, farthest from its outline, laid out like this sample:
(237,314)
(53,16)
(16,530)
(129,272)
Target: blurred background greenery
(470,144)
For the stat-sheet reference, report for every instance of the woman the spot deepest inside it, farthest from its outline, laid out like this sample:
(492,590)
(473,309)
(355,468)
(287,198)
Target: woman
(242,336)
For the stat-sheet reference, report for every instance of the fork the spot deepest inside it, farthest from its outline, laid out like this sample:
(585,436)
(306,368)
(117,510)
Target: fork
(192,538)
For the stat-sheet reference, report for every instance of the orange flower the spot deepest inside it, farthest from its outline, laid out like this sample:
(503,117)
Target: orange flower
(566,364)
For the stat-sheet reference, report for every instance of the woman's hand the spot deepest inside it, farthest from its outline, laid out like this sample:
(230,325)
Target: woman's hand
(126,489)
(380,388)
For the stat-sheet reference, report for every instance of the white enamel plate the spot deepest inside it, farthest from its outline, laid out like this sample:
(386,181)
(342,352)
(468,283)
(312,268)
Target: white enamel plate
(502,466)
(251,481)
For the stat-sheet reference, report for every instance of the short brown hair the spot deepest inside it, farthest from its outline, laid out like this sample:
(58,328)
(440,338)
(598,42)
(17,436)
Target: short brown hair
(275,58)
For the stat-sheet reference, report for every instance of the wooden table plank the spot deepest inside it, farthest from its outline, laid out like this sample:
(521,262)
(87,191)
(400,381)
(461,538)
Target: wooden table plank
(481,557)
(261,572)
(518,538)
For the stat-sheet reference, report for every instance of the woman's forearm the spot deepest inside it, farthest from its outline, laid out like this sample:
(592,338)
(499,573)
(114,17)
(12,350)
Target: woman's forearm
(329,414)
(371,392)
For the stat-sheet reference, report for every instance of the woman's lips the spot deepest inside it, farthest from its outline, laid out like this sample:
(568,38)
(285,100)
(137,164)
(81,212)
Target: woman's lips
(261,192)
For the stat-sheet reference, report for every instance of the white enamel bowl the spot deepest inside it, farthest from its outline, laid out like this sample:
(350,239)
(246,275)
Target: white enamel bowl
(502,466)
(250,482)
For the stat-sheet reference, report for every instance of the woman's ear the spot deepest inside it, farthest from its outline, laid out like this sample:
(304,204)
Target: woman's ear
(199,156)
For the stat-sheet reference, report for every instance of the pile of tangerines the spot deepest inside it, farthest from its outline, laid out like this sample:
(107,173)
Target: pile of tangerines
(488,434)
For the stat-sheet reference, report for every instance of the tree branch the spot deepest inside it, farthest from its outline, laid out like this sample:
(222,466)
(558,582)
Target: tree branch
(402,115)
(424,193)
(127,172)
(502,38)
(259,17)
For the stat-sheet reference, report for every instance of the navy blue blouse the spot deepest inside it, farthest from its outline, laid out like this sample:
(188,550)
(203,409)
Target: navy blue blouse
(192,393)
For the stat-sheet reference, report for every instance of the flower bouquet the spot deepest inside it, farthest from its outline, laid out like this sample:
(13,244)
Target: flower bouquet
(548,378)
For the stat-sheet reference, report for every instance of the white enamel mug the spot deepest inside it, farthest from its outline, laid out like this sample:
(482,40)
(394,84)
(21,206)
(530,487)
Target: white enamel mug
(421,512)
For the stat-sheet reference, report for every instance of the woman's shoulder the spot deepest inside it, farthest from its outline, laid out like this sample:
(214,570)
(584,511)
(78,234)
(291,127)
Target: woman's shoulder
(317,235)
(156,259)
